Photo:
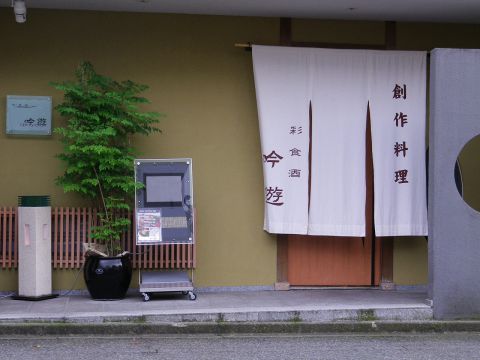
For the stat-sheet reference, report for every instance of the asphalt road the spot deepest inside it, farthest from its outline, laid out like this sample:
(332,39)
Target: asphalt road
(334,346)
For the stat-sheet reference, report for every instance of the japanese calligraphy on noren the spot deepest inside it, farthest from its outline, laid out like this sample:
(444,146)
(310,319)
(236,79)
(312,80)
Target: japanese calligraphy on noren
(295,152)
(401,176)
(294,173)
(272,158)
(400,92)
(400,148)
(273,196)
(296,130)
(400,119)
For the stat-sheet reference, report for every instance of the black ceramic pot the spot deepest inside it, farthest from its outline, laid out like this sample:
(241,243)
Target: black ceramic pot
(107,278)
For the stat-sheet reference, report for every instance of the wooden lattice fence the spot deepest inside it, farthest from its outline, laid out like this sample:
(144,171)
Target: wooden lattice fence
(71,227)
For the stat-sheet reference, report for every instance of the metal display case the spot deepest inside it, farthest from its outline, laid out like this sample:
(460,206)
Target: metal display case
(164,215)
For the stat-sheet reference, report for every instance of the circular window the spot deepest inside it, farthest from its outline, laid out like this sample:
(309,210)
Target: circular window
(467,173)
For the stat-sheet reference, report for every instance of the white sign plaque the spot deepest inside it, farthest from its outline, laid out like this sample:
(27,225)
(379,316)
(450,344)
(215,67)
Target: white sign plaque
(29,115)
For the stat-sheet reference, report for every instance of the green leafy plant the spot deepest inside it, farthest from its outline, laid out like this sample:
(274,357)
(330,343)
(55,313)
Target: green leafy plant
(101,116)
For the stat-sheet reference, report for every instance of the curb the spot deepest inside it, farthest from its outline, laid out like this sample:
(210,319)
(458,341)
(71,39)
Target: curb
(40,329)
(228,316)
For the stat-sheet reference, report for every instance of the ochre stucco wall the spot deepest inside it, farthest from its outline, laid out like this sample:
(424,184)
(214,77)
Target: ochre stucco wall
(205,87)
(197,78)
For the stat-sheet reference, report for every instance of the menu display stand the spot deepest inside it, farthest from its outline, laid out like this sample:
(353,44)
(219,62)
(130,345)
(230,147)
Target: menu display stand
(164,216)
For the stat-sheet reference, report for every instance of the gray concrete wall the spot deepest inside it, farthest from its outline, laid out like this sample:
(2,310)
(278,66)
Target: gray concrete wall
(454,227)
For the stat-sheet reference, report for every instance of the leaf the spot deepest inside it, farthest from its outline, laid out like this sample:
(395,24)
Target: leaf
(101,115)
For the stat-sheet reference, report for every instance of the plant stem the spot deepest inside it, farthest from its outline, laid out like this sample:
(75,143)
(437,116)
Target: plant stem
(101,192)
(110,242)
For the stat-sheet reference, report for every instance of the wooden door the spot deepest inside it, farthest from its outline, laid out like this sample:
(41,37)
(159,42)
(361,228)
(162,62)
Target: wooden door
(333,260)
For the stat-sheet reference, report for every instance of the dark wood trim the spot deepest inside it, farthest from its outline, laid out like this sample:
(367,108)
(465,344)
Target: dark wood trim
(390,35)
(285,31)
(386,261)
(285,38)
(282,258)
(386,257)
(369,204)
(310,122)
(377,261)
(337,45)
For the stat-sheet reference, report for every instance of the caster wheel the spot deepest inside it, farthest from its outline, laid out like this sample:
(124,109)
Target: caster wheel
(192,296)
(146,297)
(184,292)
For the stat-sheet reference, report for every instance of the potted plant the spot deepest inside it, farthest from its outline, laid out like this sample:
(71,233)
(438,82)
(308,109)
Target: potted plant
(101,116)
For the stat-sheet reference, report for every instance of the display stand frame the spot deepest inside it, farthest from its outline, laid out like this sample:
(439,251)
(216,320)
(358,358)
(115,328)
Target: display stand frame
(164,214)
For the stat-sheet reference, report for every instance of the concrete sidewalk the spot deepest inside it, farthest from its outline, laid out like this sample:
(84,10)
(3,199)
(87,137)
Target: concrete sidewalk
(294,311)
(308,306)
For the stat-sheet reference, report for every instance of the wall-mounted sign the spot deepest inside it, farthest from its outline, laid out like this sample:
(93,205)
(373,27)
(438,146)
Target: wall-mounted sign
(29,115)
